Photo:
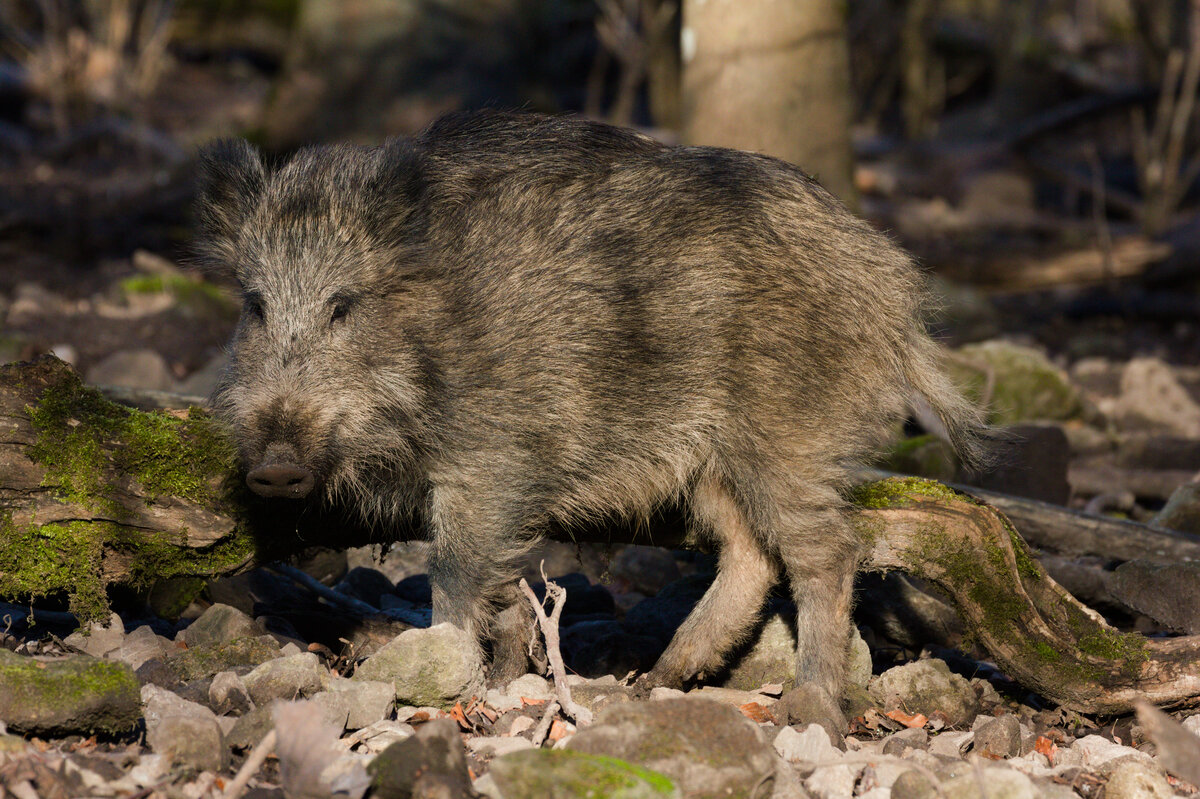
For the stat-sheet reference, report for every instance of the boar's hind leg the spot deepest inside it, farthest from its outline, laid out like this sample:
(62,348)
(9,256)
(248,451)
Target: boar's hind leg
(474,563)
(727,611)
(820,556)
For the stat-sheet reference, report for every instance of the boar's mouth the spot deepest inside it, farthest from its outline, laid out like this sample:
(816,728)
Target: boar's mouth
(279,474)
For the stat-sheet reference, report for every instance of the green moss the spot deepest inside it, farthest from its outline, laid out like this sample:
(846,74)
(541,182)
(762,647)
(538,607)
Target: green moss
(67,557)
(1018,382)
(564,773)
(1046,652)
(86,444)
(924,456)
(894,492)
(196,295)
(69,695)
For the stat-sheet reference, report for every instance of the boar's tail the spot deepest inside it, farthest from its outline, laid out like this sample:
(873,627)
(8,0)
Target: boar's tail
(941,407)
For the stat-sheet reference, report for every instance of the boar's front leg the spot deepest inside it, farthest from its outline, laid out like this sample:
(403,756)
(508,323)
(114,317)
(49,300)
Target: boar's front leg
(478,543)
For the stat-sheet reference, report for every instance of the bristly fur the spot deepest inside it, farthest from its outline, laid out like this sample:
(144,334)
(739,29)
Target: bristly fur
(512,320)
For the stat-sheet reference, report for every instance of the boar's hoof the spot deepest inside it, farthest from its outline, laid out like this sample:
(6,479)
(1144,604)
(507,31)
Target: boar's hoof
(280,480)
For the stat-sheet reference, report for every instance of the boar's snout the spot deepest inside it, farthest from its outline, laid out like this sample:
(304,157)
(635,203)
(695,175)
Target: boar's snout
(280,477)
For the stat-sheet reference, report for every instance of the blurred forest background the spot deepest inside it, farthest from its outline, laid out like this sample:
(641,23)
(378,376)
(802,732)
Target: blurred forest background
(1039,156)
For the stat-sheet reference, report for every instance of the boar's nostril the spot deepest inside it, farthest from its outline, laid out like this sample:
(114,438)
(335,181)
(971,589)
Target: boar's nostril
(280,480)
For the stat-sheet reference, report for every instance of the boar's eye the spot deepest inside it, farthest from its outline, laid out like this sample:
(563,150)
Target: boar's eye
(254,307)
(341,308)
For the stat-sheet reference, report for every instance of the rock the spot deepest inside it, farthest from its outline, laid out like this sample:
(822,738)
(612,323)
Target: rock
(430,763)
(201,382)
(998,737)
(1025,386)
(1093,751)
(905,740)
(597,648)
(141,645)
(539,773)
(1030,460)
(333,707)
(205,660)
(185,732)
(134,369)
(74,694)
(1142,586)
(1153,399)
(382,734)
(809,703)
(530,686)
(708,749)
(1182,511)
(497,746)
(286,678)
(433,667)
(220,624)
(951,744)
(832,782)
(990,783)
(227,694)
(415,588)
(926,686)
(644,569)
(369,585)
(859,670)
(250,728)
(806,745)
(98,639)
(368,701)
(770,658)
(1192,724)
(596,697)
(1134,779)
(659,616)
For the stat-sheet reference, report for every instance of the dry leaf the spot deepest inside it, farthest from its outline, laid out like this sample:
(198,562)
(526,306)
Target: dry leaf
(910,721)
(757,713)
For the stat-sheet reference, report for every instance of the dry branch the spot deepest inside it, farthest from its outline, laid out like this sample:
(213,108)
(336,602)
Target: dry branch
(94,494)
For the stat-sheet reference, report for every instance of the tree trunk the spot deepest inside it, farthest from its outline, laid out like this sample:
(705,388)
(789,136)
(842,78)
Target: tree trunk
(94,494)
(771,76)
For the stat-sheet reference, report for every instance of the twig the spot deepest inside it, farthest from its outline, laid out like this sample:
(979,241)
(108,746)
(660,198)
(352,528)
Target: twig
(549,627)
(318,587)
(258,755)
(543,727)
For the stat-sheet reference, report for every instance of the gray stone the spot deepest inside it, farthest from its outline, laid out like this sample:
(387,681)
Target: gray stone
(1152,398)
(859,669)
(134,369)
(809,703)
(1133,779)
(644,569)
(806,745)
(1182,511)
(832,781)
(770,658)
(1031,461)
(1093,751)
(220,624)
(539,773)
(334,707)
(926,686)
(992,783)
(206,660)
(530,686)
(1168,593)
(141,645)
(497,746)
(67,695)
(708,749)
(227,694)
(98,639)
(900,742)
(430,763)
(434,667)
(368,701)
(250,728)
(286,678)
(185,732)
(998,737)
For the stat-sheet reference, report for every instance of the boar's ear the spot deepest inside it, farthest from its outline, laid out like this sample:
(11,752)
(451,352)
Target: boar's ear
(231,182)
(397,191)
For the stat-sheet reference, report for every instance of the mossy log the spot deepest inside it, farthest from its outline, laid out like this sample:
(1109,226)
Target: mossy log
(94,494)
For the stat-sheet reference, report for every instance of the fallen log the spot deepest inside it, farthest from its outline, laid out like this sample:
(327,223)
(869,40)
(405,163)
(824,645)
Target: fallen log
(94,494)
